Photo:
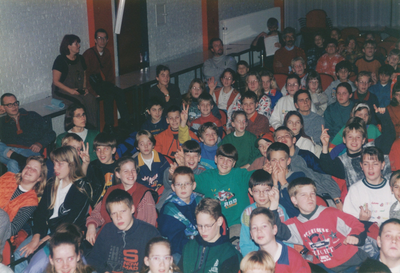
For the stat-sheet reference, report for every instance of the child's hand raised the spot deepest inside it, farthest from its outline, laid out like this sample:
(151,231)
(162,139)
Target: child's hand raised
(267,167)
(212,84)
(351,240)
(274,198)
(172,168)
(84,154)
(180,157)
(365,213)
(184,114)
(380,110)
(325,137)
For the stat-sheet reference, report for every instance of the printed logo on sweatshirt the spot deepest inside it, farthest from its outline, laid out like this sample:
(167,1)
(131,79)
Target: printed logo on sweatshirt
(151,182)
(226,198)
(214,269)
(322,246)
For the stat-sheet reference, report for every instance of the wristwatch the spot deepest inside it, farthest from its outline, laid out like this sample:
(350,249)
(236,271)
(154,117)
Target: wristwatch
(167,95)
(338,201)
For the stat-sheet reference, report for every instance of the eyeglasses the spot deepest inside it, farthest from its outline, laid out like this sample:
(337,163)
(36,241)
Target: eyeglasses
(205,227)
(102,38)
(304,100)
(184,185)
(160,259)
(80,116)
(292,84)
(9,105)
(258,192)
(196,88)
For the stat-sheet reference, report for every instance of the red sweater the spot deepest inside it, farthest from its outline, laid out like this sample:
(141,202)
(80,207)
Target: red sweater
(324,234)
(285,57)
(291,261)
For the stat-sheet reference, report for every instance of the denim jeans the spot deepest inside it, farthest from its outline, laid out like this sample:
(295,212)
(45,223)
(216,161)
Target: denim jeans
(12,165)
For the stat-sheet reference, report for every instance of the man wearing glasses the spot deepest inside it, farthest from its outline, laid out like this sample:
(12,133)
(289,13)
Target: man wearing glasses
(101,80)
(22,134)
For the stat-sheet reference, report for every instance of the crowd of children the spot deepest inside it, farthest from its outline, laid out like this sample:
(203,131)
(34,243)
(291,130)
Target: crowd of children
(242,177)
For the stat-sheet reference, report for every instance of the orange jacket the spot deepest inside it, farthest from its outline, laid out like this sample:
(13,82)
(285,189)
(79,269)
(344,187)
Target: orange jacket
(8,185)
(167,142)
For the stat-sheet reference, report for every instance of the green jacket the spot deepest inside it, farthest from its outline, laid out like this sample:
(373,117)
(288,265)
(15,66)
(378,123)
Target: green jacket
(89,138)
(202,257)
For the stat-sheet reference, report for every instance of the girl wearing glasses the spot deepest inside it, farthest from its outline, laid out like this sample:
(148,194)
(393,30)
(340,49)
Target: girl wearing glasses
(158,257)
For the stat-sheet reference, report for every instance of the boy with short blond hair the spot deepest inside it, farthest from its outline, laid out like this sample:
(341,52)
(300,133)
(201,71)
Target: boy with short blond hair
(242,140)
(347,166)
(177,220)
(393,59)
(210,251)
(260,185)
(370,199)
(208,136)
(330,234)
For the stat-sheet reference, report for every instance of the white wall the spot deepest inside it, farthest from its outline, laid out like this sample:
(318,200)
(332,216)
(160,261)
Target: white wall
(30,35)
(233,8)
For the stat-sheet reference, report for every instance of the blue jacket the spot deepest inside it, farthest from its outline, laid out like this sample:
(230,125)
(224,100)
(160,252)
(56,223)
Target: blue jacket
(382,92)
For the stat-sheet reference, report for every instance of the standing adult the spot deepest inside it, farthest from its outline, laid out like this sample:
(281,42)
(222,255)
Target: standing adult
(100,80)
(69,77)
(213,67)
(286,54)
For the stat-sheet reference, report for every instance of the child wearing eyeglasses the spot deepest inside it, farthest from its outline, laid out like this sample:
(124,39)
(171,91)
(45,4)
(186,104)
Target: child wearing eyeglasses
(210,251)
(177,220)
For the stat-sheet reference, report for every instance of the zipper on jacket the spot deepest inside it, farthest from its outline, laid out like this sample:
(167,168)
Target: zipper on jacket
(201,258)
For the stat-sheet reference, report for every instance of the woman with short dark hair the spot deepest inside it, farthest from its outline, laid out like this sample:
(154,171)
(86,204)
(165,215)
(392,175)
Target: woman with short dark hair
(69,77)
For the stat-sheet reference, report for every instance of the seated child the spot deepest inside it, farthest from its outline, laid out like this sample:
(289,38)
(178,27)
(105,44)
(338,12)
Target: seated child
(125,176)
(257,261)
(157,257)
(226,96)
(256,123)
(298,66)
(263,230)
(330,234)
(286,103)
(100,172)
(240,82)
(395,188)
(167,142)
(260,185)
(205,106)
(228,185)
(242,140)
(278,156)
(368,63)
(393,59)
(190,100)
(307,163)
(156,123)
(318,96)
(262,145)
(151,164)
(326,64)
(394,108)
(362,111)
(177,220)
(338,113)
(120,246)
(342,70)
(210,251)
(348,165)
(370,199)
(270,87)
(208,137)
(382,88)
